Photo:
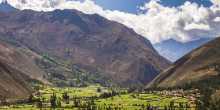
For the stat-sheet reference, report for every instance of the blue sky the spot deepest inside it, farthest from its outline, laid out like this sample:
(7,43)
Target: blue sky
(122,5)
(131,5)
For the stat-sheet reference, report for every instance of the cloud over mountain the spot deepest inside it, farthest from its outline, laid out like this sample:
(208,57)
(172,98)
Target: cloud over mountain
(157,23)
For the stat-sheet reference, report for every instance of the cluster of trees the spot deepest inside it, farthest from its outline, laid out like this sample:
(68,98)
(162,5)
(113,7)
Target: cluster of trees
(56,102)
(87,103)
(207,88)
(208,100)
(109,94)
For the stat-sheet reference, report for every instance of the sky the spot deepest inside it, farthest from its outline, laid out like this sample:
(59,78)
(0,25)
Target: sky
(131,6)
(156,20)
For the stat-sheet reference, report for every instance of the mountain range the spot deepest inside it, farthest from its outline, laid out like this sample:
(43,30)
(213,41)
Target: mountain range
(69,48)
(72,40)
(174,50)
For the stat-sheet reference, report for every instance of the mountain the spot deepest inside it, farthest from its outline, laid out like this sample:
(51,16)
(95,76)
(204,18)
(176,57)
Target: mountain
(88,42)
(173,50)
(201,66)
(6,7)
(13,82)
(22,60)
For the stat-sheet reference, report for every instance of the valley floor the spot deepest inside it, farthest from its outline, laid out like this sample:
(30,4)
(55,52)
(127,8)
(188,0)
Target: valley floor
(101,98)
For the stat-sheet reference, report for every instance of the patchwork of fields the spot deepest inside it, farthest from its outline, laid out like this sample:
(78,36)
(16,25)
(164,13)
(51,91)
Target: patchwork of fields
(99,98)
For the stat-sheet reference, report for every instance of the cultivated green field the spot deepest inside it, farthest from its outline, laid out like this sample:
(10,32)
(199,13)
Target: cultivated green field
(98,98)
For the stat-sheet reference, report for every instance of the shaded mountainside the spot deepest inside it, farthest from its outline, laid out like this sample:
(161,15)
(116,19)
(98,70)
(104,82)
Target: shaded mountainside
(90,42)
(13,82)
(173,50)
(200,67)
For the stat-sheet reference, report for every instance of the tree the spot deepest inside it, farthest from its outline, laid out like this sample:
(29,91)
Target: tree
(76,102)
(181,106)
(143,107)
(31,99)
(59,105)
(166,108)
(66,97)
(53,99)
(214,103)
(39,104)
(99,90)
(172,105)
(149,107)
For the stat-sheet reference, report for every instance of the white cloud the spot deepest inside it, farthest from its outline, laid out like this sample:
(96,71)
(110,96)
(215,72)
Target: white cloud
(184,23)
(216,2)
(196,26)
(217,19)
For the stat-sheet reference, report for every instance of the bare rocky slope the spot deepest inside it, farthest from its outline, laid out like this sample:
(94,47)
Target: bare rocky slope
(88,42)
(14,83)
(22,60)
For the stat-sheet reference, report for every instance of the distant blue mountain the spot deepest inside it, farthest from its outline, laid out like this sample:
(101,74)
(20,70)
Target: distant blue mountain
(173,50)
(6,7)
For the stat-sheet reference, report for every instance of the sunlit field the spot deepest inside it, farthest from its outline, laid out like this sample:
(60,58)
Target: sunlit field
(99,98)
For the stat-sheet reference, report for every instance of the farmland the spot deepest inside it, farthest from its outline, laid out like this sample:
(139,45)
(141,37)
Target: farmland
(96,97)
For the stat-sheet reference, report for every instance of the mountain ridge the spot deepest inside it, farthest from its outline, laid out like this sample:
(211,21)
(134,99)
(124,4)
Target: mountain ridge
(173,50)
(197,65)
(90,41)
(6,7)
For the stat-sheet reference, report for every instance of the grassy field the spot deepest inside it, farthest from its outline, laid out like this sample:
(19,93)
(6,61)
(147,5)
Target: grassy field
(95,98)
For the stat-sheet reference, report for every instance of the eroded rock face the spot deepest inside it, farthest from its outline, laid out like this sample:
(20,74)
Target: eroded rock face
(89,41)
(13,82)
(21,61)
